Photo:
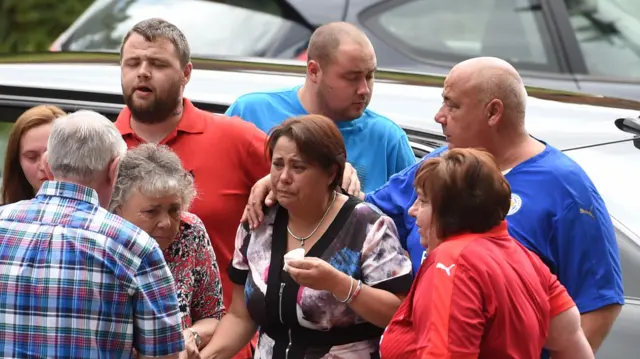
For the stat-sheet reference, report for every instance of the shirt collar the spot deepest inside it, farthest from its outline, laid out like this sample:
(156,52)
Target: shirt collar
(501,230)
(69,190)
(192,120)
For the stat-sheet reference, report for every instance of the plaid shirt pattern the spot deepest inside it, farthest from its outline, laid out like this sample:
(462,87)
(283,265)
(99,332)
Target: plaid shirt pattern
(79,282)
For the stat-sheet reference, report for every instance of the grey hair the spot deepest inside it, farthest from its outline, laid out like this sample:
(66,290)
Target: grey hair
(82,145)
(155,28)
(154,170)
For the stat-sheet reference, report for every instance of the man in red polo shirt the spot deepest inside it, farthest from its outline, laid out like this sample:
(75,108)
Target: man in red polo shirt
(226,157)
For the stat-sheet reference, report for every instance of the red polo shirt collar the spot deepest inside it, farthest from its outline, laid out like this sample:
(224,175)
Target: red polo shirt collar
(192,120)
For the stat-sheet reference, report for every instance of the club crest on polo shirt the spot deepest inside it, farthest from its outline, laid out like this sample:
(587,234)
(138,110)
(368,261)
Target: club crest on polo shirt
(516,203)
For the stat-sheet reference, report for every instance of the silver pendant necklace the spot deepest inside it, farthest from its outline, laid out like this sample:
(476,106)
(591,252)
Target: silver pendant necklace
(302,239)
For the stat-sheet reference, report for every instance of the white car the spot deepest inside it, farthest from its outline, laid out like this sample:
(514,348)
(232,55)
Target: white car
(584,127)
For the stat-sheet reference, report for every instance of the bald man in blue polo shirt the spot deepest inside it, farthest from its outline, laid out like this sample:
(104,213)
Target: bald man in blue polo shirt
(555,211)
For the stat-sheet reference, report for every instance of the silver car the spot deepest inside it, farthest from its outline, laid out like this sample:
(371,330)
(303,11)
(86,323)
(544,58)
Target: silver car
(591,46)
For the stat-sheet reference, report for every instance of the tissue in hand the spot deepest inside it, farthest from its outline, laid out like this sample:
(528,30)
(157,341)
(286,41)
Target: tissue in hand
(297,253)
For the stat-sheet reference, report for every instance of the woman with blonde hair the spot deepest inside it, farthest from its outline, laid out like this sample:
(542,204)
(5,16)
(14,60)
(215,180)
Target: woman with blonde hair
(23,173)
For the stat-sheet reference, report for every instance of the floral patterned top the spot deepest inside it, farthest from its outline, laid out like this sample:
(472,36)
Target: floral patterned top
(299,322)
(193,264)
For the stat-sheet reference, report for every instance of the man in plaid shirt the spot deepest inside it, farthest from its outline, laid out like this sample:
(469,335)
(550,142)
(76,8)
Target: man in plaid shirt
(75,280)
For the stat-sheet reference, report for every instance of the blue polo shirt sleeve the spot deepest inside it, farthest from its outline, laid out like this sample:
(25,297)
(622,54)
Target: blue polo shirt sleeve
(396,196)
(394,199)
(588,260)
(401,156)
(235,109)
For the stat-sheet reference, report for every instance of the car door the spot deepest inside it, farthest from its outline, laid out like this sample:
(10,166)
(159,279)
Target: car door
(604,41)
(434,35)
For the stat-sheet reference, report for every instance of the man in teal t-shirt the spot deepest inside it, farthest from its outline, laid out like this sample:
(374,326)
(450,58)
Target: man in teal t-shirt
(339,83)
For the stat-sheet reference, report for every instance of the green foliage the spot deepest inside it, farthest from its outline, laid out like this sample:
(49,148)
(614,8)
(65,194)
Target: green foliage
(33,25)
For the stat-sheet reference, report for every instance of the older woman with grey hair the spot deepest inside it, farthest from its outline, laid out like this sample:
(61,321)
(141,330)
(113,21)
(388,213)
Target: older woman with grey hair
(153,191)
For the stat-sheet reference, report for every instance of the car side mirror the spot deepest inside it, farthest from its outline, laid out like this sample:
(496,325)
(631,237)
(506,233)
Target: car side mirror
(630,125)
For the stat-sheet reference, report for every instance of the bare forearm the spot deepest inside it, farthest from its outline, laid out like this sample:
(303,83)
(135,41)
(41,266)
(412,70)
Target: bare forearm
(576,347)
(374,305)
(205,328)
(597,324)
(566,338)
(233,333)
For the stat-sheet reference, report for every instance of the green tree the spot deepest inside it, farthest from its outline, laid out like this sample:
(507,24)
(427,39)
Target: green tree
(33,25)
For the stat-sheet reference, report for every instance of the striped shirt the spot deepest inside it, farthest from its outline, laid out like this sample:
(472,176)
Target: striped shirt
(79,282)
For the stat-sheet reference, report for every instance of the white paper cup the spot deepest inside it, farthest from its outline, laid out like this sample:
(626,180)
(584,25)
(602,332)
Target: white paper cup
(297,253)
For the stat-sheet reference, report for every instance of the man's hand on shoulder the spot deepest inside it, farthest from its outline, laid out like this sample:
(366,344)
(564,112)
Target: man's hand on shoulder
(261,194)
(351,182)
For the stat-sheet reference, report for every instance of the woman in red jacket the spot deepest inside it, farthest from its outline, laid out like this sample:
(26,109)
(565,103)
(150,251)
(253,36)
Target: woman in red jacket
(479,293)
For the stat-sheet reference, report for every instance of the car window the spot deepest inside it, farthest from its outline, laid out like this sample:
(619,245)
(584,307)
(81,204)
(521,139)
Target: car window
(608,32)
(454,30)
(5,129)
(247,28)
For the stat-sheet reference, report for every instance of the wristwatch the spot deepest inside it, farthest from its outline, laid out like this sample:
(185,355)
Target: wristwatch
(196,337)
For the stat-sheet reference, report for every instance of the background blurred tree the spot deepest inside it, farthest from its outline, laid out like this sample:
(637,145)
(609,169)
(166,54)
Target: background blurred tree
(32,25)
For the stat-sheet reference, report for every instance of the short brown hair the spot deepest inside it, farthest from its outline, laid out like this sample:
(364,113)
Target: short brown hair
(15,186)
(326,39)
(466,190)
(155,28)
(318,141)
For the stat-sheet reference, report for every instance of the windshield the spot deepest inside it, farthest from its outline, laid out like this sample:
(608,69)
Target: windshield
(251,28)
